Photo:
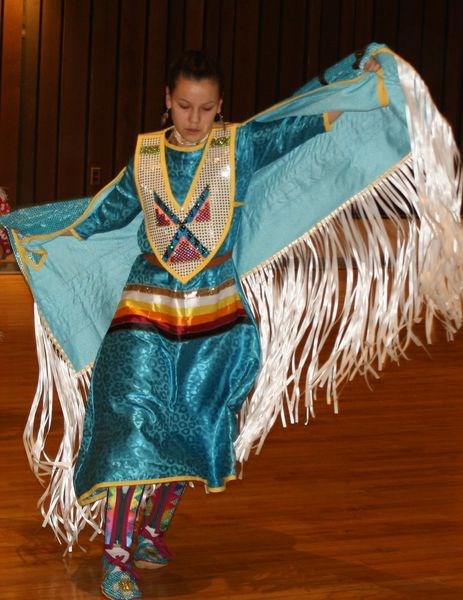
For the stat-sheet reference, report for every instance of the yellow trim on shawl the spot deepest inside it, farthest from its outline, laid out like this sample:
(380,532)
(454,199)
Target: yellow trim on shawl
(76,235)
(24,254)
(83,216)
(381,90)
(20,241)
(326,122)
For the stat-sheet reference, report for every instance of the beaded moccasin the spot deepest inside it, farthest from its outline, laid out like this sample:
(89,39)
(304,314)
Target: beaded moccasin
(119,580)
(151,551)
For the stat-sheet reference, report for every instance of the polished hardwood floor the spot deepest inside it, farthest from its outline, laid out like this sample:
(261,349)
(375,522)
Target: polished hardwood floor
(367,504)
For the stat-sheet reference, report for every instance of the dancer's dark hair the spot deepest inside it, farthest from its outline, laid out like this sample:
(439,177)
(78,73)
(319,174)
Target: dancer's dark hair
(195,64)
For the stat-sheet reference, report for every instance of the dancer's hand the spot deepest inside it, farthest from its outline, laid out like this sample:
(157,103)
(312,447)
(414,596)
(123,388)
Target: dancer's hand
(372,64)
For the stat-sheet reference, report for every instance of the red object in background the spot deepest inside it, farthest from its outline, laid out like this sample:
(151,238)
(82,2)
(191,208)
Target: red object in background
(5,248)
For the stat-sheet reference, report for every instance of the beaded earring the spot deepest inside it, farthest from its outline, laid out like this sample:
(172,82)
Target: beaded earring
(165,118)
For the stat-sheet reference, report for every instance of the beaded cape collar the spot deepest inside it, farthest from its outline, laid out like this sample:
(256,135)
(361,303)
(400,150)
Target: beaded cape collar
(185,237)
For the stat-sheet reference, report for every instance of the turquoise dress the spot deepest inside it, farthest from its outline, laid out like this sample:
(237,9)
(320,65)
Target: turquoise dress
(165,388)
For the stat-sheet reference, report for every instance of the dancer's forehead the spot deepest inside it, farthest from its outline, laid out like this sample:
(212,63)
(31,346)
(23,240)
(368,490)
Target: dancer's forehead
(201,91)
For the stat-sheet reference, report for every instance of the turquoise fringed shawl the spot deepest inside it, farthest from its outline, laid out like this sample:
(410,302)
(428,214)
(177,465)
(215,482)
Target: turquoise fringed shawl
(77,286)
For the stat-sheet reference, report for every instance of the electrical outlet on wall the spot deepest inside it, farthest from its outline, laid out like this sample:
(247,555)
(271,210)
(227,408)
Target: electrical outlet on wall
(95,175)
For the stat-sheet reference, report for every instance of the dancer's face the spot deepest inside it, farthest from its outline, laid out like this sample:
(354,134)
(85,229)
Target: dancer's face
(194,105)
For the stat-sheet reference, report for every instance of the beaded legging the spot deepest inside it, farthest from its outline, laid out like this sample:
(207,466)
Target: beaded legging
(161,507)
(122,506)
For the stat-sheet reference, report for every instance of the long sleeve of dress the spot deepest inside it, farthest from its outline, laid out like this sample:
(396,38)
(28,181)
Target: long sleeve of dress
(117,209)
(264,142)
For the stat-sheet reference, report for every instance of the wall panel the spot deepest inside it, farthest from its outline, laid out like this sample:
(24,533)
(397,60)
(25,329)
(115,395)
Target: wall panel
(49,102)
(29,101)
(330,31)
(93,71)
(433,47)
(292,46)
(313,62)
(72,125)
(409,31)
(156,60)
(10,67)
(364,19)
(346,27)
(2,2)
(101,123)
(175,26)
(130,88)
(453,81)
(194,24)
(226,52)
(385,22)
(267,75)
(212,26)
(243,100)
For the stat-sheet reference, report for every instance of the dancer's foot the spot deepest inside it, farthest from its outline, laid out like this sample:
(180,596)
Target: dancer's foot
(151,551)
(119,580)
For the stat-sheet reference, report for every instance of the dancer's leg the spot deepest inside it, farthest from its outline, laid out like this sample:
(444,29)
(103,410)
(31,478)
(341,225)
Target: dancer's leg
(151,551)
(119,580)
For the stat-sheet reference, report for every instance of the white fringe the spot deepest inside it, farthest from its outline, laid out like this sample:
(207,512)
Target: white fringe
(312,337)
(439,183)
(58,503)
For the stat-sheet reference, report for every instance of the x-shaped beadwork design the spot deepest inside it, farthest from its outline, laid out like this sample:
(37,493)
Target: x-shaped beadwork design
(182,230)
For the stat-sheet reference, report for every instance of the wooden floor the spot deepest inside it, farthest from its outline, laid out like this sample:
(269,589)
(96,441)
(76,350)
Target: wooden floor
(364,505)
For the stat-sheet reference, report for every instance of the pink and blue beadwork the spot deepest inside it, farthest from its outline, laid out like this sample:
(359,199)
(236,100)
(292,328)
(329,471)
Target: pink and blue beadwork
(122,505)
(119,581)
(151,551)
